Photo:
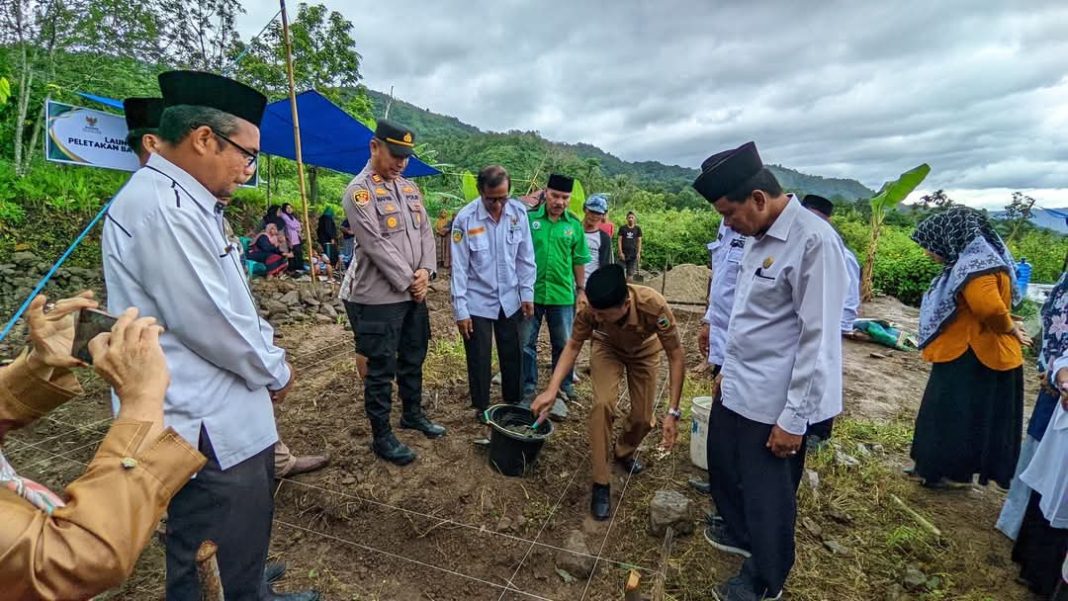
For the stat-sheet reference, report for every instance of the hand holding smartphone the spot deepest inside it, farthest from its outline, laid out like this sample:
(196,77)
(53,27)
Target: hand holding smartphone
(91,322)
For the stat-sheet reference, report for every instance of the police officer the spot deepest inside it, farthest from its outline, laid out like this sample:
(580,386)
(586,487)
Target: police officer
(385,291)
(630,325)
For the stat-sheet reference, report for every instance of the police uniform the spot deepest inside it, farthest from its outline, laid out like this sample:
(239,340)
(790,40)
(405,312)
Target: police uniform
(391,329)
(632,345)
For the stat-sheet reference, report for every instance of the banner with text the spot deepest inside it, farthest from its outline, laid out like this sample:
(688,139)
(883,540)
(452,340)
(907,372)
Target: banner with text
(84,136)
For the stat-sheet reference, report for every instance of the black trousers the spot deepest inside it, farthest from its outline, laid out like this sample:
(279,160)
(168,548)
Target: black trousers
(394,337)
(755,492)
(505,329)
(232,508)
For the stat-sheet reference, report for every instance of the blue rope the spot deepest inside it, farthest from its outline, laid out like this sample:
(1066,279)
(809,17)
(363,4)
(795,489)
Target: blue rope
(51,272)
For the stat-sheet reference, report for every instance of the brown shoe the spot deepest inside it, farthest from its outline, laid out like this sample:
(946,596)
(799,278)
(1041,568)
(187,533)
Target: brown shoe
(307,463)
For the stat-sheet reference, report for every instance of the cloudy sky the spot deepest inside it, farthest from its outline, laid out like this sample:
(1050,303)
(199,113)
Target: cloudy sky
(863,90)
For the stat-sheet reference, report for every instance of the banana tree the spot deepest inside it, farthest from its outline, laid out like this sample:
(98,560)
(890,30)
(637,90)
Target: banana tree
(469,185)
(578,199)
(889,196)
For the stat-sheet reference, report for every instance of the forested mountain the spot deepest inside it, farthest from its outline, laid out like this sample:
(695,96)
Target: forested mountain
(443,132)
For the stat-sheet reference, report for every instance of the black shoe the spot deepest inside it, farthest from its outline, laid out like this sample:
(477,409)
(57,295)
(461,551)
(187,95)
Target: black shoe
(714,519)
(701,486)
(273,571)
(424,425)
(740,588)
(389,448)
(631,465)
(480,415)
(301,596)
(721,538)
(601,502)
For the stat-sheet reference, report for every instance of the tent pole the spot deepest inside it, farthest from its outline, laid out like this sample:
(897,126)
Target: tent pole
(296,138)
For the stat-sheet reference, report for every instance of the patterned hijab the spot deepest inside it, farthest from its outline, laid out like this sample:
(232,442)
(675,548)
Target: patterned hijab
(1054,324)
(970,247)
(41,497)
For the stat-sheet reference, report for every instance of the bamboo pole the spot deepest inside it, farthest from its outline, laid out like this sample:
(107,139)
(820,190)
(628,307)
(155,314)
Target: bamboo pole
(296,137)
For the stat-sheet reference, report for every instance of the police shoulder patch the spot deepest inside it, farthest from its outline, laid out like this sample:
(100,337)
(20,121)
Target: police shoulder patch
(360,196)
(663,322)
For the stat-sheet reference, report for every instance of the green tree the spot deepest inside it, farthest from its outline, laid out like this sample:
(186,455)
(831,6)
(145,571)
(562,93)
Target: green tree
(1017,213)
(199,34)
(324,59)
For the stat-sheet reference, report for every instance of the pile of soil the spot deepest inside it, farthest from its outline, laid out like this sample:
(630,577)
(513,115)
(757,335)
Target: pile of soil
(686,283)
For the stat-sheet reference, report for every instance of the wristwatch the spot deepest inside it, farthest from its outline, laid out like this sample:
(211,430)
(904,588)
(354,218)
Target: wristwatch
(675,412)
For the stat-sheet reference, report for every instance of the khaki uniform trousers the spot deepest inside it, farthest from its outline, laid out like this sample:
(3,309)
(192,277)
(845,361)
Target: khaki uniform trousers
(608,365)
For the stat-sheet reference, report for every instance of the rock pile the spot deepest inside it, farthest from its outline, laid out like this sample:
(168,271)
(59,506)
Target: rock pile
(286,301)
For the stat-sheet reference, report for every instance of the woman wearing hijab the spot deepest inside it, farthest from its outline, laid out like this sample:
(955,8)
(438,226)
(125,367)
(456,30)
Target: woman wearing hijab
(1042,544)
(272,216)
(1054,344)
(971,415)
(326,233)
(292,231)
(265,249)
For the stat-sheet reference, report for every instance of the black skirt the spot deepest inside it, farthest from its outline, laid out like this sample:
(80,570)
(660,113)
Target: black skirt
(970,422)
(1040,550)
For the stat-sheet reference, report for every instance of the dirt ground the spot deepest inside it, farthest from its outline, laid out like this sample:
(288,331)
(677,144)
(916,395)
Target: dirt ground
(448,527)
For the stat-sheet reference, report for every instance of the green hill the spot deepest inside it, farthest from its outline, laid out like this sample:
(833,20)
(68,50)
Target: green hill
(447,133)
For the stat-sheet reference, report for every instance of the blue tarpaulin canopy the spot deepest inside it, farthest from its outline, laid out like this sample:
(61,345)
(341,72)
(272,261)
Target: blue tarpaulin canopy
(329,137)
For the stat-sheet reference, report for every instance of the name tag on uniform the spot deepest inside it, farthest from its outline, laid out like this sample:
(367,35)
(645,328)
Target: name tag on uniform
(476,231)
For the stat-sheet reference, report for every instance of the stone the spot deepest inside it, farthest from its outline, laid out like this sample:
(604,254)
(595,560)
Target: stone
(323,319)
(862,450)
(275,308)
(811,525)
(844,459)
(291,298)
(837,548)
(914,578)
(565,576)
(575,557)
(24,258)
(308,298)
(505,524)
(812,479)
(329,311)
(670,508)
(348,480)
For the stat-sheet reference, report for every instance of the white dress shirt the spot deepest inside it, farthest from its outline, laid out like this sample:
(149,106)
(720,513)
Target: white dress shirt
(1047,474)
(852,298)
(727,253)
(783,360)
(493,265)
(165,253)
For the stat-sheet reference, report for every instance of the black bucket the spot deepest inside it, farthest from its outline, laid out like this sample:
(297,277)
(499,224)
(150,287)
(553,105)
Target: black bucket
(513,454)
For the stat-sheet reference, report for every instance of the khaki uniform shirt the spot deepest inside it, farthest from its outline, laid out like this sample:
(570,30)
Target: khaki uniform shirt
(648,326)
(92,543)
(394,235)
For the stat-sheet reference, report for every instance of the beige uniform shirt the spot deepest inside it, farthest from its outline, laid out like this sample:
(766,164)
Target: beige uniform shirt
(394,236)
(92,543)
(648,322)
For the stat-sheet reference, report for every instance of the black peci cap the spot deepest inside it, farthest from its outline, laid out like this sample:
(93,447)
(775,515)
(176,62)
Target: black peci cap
(561,183)
(819,204)
(198,88)
(607,287)
(399,139)
(142,113)
(723,172)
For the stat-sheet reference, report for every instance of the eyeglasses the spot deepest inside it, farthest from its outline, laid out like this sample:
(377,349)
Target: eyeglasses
(250,157)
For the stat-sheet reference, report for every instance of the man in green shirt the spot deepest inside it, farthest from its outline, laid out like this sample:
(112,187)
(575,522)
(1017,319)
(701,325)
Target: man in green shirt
(561,255)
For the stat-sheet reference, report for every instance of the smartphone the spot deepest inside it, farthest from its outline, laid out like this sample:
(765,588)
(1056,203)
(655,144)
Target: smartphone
(90,323)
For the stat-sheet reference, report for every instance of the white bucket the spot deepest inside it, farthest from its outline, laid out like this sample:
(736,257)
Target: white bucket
(699,409)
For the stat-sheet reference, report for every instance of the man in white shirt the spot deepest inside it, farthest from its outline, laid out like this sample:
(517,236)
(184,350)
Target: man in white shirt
(493,275)
(782,367)
(598,241)
(823,209)
(165,252)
